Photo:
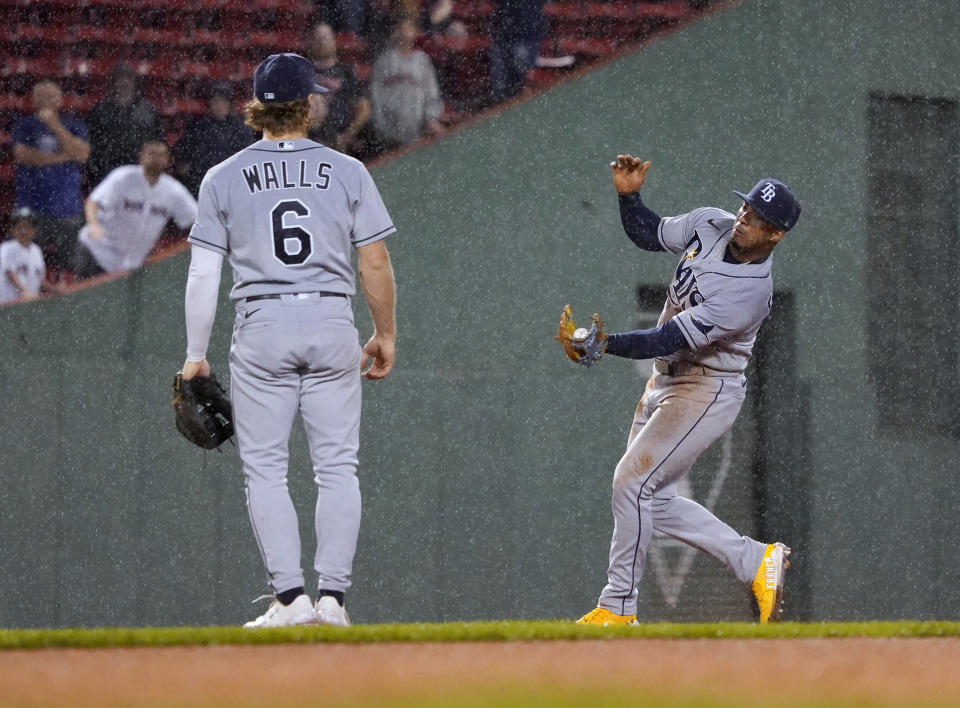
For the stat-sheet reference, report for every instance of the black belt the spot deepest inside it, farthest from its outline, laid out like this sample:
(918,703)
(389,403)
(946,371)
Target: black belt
(254,298)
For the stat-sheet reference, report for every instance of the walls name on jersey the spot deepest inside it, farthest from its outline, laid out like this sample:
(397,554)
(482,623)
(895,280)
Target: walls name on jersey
(285,174)
(685,282)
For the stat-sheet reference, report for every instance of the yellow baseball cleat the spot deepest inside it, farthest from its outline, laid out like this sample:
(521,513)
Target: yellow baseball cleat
(603,617)
(767,585)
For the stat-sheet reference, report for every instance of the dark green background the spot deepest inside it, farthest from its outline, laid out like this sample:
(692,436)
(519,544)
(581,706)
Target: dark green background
(486,457)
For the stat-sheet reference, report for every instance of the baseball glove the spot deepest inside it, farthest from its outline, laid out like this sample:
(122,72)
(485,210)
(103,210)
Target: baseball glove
(202,410)
(581,345)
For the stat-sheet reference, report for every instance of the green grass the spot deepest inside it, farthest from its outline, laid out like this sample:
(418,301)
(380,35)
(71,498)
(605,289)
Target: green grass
(515,630)
(638,696)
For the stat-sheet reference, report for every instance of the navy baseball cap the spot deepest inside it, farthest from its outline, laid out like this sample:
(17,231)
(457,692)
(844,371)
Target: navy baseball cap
(285,77)
(774,201)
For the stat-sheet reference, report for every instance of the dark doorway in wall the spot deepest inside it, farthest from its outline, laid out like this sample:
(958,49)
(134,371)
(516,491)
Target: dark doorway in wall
(782,465)
(912,329)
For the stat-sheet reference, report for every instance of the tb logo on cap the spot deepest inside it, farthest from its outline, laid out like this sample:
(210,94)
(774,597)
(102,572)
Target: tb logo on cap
(768,193)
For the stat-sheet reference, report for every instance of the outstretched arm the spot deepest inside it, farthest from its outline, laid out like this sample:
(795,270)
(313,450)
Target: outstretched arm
(639,221)
(91,211)
(647,343)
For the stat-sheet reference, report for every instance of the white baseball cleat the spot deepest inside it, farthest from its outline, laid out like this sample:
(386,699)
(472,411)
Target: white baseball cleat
(298,612)
(329,611)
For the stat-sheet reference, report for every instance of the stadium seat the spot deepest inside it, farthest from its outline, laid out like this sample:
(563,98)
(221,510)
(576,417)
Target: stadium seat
(178,47)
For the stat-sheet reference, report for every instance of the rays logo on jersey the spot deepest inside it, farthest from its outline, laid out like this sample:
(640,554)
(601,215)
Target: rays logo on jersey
(684,286)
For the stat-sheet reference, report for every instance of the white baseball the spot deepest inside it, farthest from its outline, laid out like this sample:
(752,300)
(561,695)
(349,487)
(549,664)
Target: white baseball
(580,333)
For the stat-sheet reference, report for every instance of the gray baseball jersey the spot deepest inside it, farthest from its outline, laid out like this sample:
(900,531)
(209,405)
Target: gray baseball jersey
(287,214)
(718,306)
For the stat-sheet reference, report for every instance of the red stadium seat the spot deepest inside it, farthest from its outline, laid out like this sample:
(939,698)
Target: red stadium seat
(11,102)
(44,67)
(178,46)
(88,67)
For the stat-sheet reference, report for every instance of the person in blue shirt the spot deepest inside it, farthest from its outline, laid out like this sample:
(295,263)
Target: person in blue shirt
(49,148)
(516,29)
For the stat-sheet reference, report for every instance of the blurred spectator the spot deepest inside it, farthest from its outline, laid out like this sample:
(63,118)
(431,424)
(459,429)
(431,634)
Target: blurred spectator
(210,139)
(516,27)
(48,148)
(404,92)
(347,15)
(379,18)
(120,124)
(22,270)
(436,17)
(127,212)
(463,74)
(348,110)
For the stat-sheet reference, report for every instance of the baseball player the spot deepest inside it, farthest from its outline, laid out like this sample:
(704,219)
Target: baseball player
(22,269)
(127,212)
(288,212)
(721,293)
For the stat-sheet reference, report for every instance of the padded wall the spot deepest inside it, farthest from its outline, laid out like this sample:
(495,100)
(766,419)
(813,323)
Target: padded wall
(486,457)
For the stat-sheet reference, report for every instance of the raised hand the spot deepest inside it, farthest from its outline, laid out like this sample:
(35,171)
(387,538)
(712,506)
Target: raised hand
(629,173)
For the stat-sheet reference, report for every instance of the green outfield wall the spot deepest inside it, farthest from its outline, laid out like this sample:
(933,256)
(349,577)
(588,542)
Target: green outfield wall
(486,457)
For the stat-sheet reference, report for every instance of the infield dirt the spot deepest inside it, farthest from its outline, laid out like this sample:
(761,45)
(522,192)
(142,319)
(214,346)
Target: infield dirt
(663,672)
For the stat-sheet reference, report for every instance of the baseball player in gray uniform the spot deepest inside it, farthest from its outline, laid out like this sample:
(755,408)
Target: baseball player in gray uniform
(721,293)
(288,212)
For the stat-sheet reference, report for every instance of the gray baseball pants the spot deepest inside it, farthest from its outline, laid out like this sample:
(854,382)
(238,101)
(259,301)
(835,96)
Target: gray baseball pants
(299,353)
(677,419)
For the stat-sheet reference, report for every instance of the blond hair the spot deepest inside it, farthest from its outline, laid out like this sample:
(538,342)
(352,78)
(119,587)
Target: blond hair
(289,117)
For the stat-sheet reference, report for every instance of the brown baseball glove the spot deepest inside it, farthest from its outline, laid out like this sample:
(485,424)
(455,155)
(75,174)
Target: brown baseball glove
(581,345)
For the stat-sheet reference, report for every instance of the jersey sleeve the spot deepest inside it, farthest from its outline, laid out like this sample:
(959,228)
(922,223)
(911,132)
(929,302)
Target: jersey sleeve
(717,318)
(676,232)
(200,302)
(109,190)
(185,207)
(38,262)
(371,220)
(208,230)
(6,263)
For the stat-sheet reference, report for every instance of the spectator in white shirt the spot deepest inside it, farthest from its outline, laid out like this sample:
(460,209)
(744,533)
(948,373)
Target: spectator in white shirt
(127,212)
(22,270)
(404,92)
